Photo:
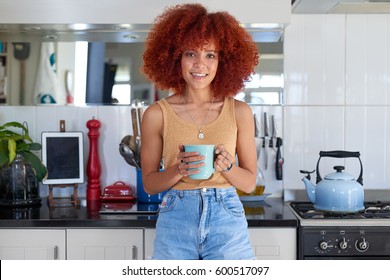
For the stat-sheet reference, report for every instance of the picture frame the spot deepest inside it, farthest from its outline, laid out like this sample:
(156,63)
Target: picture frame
(63,156)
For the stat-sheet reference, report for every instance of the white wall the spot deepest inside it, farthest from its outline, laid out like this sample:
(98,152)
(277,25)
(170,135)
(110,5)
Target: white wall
(337,95)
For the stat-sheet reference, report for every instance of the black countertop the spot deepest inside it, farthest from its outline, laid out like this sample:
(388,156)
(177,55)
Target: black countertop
(272,212)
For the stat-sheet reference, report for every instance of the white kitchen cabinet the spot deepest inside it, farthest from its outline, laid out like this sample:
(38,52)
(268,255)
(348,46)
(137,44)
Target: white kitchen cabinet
(105,244)
(150,235)
(268,243)
(274,243)
(32,244)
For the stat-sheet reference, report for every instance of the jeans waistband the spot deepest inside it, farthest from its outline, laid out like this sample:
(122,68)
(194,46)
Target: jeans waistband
(217,192)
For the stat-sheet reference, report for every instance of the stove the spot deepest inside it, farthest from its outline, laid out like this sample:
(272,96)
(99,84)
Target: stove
(361,235)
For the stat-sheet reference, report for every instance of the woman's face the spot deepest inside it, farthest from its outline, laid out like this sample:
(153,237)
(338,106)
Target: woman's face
(199,66)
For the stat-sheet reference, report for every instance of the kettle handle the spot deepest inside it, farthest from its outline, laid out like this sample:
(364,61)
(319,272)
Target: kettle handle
(340,154)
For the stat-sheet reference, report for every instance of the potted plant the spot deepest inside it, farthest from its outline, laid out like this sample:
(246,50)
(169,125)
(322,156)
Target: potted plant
(13,143)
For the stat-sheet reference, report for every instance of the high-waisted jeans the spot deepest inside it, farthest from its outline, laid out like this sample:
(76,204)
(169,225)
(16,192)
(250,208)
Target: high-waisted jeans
(206,223)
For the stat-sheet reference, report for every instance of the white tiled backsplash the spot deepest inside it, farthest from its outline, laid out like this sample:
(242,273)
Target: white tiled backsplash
(337,97)
(337,71)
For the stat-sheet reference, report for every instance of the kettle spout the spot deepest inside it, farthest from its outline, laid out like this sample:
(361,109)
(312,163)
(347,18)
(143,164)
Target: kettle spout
(310,189)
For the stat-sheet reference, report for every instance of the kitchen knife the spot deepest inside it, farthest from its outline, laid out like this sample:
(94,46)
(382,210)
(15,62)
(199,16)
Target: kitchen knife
(257,136)
(266,139)
(257,126)
(279,159)
(274,132)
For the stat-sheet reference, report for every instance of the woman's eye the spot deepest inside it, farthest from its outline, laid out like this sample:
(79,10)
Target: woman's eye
(211,55)
(190,54)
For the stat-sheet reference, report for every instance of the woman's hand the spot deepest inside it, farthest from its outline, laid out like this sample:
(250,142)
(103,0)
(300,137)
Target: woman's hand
(223,160)
(189,162)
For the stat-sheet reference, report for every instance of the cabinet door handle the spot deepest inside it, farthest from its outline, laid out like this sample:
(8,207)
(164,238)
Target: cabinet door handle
(135,252)
(56,252)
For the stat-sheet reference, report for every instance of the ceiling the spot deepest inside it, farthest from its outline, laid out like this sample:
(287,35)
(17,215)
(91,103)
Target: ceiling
(340,6)
(138,32)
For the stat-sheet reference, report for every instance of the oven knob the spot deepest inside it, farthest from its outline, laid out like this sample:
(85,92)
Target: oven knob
(324,245)
(362,245)
(343,244)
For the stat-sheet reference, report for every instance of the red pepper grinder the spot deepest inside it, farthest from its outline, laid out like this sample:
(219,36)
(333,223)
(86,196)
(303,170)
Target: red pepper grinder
(93,166)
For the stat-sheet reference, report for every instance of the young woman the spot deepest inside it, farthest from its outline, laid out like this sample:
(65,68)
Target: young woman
(203,59)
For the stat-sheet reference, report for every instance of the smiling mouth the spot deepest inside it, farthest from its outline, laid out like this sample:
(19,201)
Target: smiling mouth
(199,75)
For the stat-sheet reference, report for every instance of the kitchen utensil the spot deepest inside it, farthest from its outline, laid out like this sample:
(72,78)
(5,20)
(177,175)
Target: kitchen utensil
(338,192)
(126,139)
(22,52)
(274,129)
(132,143)
(257,136)
(128,155)
(138,147)
(266,140)
(144,197)
(278,159)
(140,113)
(134,121)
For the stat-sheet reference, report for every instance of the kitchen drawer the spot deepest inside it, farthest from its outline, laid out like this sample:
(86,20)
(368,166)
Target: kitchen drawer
(274,243)
(104,244)
(32,244)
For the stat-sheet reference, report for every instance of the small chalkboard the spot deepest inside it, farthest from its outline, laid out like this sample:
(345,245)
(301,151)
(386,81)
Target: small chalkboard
(63,156)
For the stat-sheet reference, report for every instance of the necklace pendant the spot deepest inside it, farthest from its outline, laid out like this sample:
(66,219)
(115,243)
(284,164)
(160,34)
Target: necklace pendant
(200,135)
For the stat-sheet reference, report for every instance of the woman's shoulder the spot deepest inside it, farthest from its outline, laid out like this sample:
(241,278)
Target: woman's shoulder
(154,110)
(241,106)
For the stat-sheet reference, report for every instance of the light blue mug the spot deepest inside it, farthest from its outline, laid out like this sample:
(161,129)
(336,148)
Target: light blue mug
(208,152)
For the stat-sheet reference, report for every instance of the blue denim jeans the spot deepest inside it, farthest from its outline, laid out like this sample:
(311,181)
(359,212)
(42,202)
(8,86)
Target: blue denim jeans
(207,223)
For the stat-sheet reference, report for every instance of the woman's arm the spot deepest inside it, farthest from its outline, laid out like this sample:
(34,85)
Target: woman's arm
(244,175)
(154,181)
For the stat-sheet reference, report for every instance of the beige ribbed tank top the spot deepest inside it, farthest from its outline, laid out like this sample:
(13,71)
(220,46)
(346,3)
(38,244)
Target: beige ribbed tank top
(223,130)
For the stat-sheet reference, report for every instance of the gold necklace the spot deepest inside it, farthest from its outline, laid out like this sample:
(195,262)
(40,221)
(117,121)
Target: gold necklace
(200,135)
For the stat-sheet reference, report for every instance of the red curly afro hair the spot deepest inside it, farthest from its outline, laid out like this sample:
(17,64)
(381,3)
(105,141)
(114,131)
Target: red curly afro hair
(190,26)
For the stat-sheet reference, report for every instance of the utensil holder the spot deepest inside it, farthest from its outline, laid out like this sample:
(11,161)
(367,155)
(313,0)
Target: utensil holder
(142,196)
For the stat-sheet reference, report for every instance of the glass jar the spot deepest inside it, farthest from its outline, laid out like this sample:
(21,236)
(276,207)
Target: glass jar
(260,186)
(19,186)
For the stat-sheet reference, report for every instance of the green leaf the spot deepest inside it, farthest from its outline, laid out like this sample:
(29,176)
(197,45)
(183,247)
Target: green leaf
(3,157)
(3,152)
(34,146)
(11,149)
(15,124)
(6,133)
(22,146)
(36,164)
